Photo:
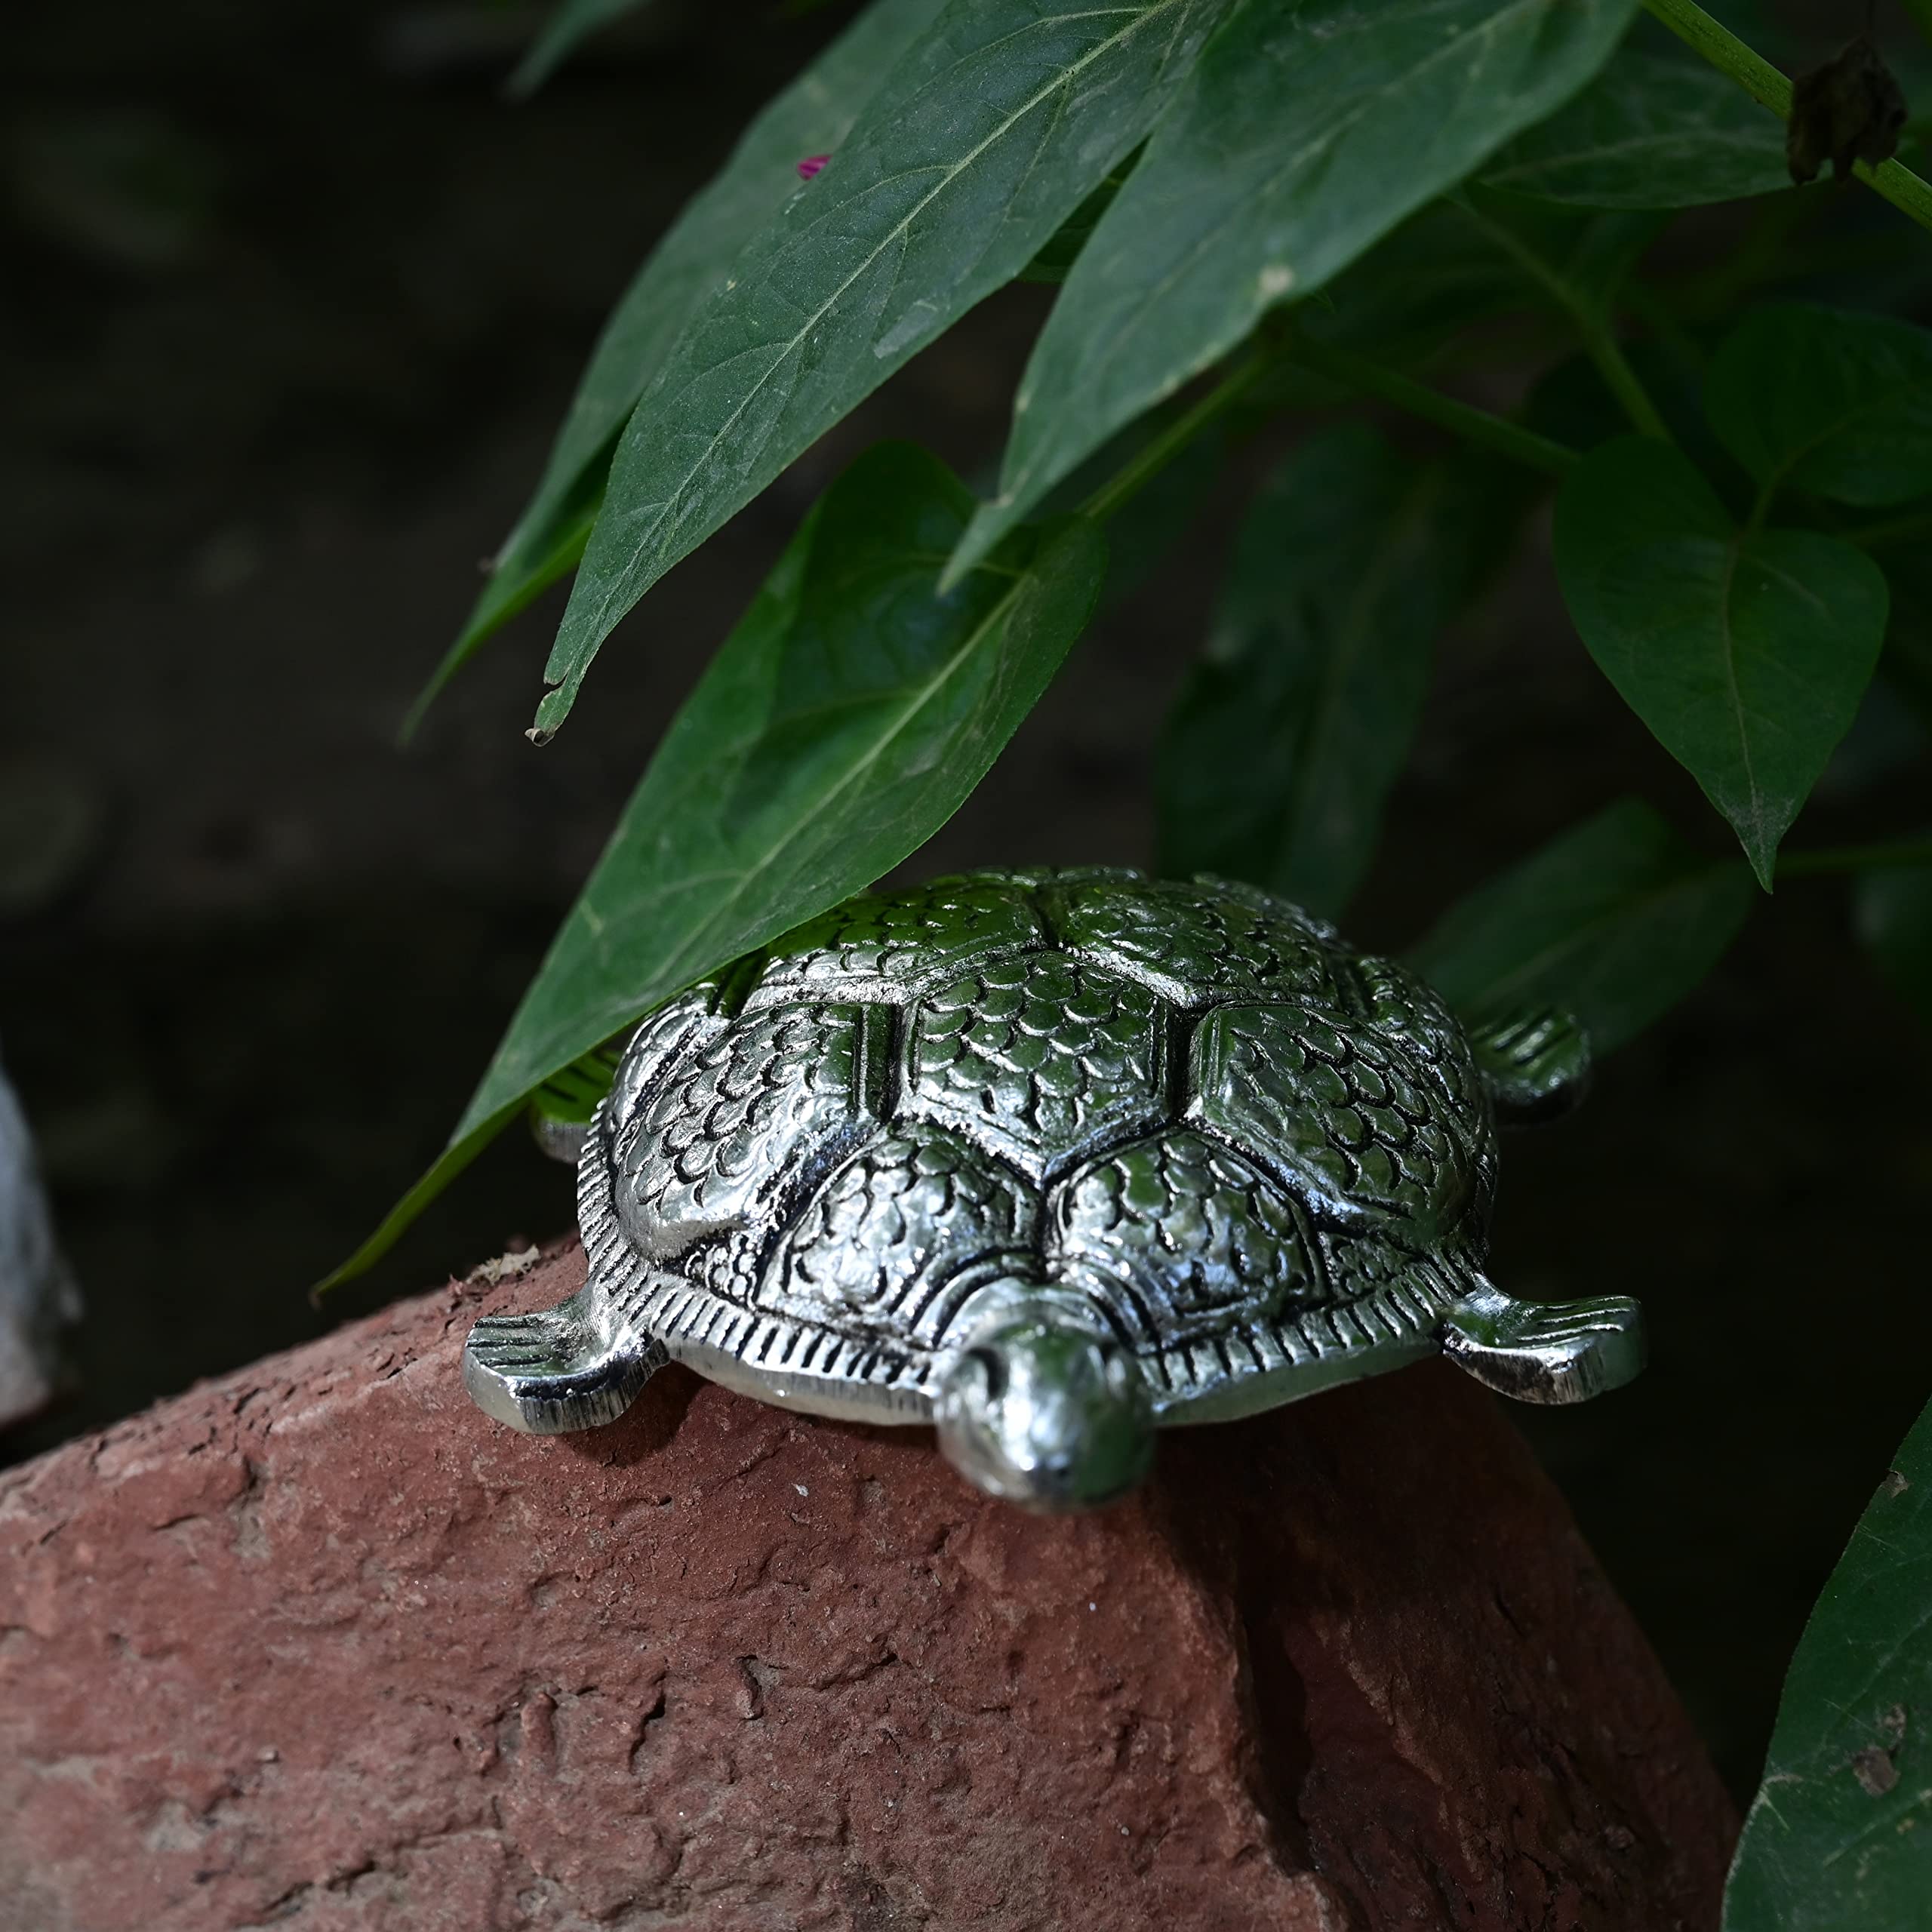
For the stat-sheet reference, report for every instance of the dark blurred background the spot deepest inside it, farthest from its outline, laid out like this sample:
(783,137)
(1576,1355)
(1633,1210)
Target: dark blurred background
(291,301)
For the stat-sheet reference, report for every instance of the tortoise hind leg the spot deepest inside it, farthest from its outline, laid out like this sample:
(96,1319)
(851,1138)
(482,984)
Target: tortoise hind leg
(1545,1352)
(1535,1063)
(556,1369)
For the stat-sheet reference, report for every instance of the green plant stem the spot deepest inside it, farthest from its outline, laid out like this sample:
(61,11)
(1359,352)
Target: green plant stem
(1479,426)
(1472,425)
(1592,325)
(1826,860)
(1765,85)
(1723,49)
(1905,529)
(1154,455)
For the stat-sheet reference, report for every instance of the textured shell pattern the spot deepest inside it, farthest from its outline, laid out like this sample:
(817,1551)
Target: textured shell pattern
(1258,1153)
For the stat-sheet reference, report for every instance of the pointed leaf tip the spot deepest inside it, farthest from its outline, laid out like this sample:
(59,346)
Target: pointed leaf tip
(1745,652)
(846,718)
(926,209)
(812,114)
(977,542)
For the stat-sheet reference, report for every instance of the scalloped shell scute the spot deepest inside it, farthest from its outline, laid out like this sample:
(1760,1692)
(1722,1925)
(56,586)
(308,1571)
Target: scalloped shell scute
(1263,1158)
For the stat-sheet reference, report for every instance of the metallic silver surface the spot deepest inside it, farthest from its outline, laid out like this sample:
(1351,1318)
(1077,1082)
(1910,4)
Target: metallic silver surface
(1040,1404)
(1051,1157)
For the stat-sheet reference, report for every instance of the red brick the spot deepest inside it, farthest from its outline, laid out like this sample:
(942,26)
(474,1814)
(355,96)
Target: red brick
(319,1646)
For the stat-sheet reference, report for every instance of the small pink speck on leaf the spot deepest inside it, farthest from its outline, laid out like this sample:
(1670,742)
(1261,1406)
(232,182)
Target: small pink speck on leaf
(811,164)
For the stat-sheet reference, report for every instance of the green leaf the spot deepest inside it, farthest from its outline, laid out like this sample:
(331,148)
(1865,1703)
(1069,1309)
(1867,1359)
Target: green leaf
(1439,272)
(1287,737)
(1894,916)
(570,21)
(841,724)
(1745,652)
(812,116)
(1415,290)
(995,128)
(544,547)
(1827,402)
(1051,265)
(1840,1835)
(1649,132)
(1614,922)
(1306,133)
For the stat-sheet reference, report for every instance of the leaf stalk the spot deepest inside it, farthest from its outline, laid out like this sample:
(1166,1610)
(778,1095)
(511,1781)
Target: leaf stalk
(1464,420)
(1154,455)
(1592,324)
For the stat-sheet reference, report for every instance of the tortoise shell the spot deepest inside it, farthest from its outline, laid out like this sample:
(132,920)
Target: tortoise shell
(942,1149)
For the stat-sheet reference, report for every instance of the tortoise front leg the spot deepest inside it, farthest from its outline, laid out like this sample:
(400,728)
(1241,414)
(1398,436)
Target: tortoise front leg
(557,1369)
(1545,1352)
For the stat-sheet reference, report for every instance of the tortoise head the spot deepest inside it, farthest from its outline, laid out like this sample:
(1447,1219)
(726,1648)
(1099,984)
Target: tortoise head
(1041,1405)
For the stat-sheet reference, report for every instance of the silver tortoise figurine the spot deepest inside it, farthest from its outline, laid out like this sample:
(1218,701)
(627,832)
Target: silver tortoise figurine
(1050,1158)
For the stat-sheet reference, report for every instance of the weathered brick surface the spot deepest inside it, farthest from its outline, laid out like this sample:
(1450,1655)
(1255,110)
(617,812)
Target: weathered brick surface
(317,1648)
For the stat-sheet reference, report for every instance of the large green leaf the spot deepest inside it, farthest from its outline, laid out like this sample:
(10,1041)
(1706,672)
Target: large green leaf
(1441,271)
(994,129)
(1615,922)
(840,725)
(1286,739)
(1063,246)
(1836,403)
(812,116)
(1307,131)
(1894,911)
(1649,132)
(570,21)
(1415,290)
(1839,1837)
(1746,652)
